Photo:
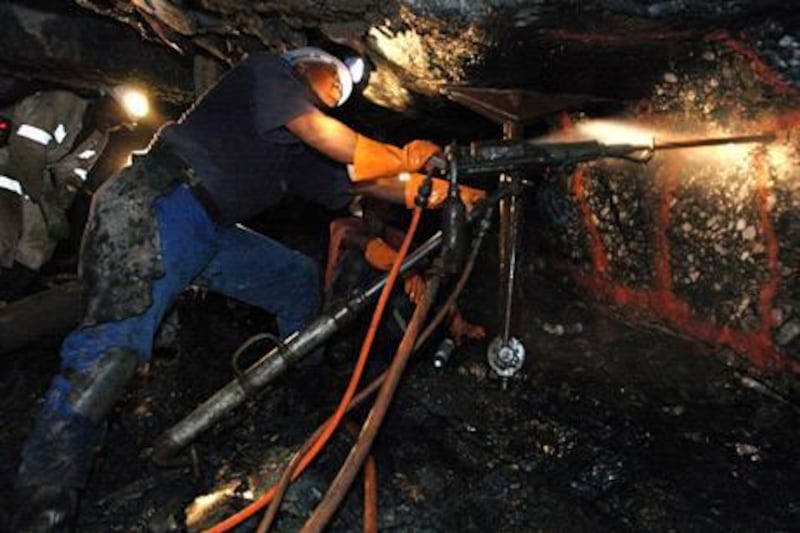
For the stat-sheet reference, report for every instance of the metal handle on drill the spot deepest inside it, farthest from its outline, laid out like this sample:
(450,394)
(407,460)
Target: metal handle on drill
(454,217)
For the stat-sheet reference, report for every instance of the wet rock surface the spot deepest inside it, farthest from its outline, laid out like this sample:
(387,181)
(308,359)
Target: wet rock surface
(779,44)
(701,237)
(611,426)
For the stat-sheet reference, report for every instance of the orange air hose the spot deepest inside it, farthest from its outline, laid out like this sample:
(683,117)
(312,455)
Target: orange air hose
(370,496)
(343,480)
(283,484)
(333,422)
(390,379)
(370,472)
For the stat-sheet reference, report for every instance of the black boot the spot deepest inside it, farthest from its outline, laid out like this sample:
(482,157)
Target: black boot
(45,509)
(58,454)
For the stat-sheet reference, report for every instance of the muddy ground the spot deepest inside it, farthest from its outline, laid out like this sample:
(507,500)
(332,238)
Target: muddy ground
(613,426)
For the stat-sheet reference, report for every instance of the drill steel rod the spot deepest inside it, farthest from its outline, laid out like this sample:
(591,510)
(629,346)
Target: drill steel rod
(508,240)
(715,141)
(508,154)
(294,348)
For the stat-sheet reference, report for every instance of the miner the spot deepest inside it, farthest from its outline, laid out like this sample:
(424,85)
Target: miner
(54,140)
(170,220)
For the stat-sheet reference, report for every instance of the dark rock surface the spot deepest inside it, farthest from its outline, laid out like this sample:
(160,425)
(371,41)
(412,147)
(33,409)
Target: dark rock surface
(616,423)
(703,235)
(611,426)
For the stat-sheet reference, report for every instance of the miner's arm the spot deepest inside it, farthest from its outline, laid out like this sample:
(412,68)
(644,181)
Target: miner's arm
(375,165)
(34,124)
(370,159)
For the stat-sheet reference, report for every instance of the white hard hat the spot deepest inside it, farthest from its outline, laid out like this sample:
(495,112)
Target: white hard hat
(310,53)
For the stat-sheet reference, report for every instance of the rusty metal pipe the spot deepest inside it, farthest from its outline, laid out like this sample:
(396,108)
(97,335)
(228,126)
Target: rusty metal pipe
(296,346)
(275,362)
(283,484)
(716,141)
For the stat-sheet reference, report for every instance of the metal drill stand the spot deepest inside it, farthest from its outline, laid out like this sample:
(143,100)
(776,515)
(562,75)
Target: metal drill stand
(511,108)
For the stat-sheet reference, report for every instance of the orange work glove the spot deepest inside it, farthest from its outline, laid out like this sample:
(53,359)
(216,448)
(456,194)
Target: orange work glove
(460,328)
(373,159)
(414,286)
(469,195)
(379,255)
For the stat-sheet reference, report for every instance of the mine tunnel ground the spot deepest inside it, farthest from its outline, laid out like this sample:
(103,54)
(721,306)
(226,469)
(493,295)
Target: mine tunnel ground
(613,425)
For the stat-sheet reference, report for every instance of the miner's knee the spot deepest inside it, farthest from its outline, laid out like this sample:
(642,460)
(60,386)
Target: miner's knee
(302,301)
(93,392)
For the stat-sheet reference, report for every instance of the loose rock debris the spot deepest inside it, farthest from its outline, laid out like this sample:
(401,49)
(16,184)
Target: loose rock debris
(615,427)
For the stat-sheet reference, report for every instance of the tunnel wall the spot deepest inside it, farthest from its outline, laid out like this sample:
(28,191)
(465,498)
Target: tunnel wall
(707,241)
(66,46)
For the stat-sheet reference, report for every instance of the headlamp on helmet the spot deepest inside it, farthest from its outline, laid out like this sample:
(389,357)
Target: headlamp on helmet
(357,67)
(132,100)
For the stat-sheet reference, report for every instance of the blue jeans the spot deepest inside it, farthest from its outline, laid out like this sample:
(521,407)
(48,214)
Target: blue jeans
(194,249)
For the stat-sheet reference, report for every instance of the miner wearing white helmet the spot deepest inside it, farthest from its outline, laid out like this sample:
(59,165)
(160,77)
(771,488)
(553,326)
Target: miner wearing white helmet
(171,219)
(302,58)
(55,138)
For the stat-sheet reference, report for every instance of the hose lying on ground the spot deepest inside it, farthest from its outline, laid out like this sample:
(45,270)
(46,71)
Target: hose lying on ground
(483,228)
(341,484)
(300,462)
(254,507)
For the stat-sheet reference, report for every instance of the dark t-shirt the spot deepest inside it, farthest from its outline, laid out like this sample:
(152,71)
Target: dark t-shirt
(235,140)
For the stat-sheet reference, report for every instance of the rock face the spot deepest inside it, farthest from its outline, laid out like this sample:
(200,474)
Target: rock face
(702,238)
(611,48)
(64,46)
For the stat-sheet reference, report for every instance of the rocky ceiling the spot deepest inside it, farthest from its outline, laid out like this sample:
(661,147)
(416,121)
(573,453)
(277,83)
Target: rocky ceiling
(610,50)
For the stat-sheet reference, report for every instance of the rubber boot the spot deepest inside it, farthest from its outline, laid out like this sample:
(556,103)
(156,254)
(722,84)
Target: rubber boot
(46,509)
(57,458)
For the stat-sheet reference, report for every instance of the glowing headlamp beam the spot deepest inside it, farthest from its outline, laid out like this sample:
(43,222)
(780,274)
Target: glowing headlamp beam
(132,100)
(135,103)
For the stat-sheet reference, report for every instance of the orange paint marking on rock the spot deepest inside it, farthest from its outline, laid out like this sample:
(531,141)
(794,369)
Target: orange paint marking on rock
(662,276)
(759,66)
(763,194)
(756,346)
(661,302)
(621,39)
(597,247)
